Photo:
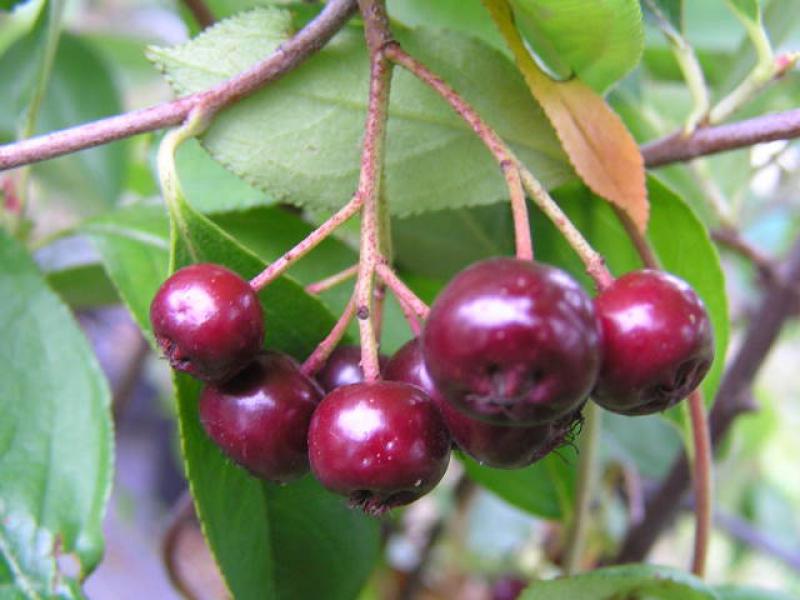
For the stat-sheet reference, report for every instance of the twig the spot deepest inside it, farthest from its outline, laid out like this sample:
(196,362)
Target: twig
(732,239)
(733,398)
(286,58)
(200,12)
(182,512)
(519,211)
(587,462)
(678,147)
(376,26)
(403,293)
(324,349)
(703,492)
(329,282)
(748,534)
(280,266)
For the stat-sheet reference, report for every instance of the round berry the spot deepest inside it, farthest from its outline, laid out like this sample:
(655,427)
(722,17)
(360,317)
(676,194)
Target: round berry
(498,446)
(513,342)
(207,321)
(657,343)
(260,418)
(382,444)
(343,367)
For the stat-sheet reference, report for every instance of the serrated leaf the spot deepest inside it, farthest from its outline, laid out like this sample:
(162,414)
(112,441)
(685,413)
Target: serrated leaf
(601,149)
(600,41)
(290,541)
(56,440)
(299,139)
(545,489)
(628,581)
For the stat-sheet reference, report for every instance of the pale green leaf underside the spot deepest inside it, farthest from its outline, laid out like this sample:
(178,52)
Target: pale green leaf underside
(616,583)
(299,139)
(599,40)
(55,436)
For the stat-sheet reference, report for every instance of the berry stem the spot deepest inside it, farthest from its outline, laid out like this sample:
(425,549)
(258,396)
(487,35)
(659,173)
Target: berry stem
(403,293)
(369,185)
(588,447)
(702,462)
(201,13)
(701,476)
(324,349)
(513,169)
(277,268)
(330,282)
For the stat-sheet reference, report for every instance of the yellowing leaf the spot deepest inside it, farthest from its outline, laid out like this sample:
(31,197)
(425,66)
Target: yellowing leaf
(599,146)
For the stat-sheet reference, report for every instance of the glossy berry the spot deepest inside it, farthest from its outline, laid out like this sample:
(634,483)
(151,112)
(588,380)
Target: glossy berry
(513,342)
(382,444)
(260,418)
(498,446)
(207,321)
(343,367)
(658,343)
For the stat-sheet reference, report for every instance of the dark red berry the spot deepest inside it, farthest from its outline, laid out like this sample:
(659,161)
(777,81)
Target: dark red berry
(343,367)
(513,342)
(498,446)
(508,587)
(658,343)
(382,444)
(207,321)
(260,418)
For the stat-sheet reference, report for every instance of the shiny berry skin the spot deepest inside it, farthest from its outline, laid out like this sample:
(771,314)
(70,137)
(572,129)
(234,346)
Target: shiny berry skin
(260,418)
(513,342)
(382,444)
(658,343)
(498,446)
(343,367)
(207,321)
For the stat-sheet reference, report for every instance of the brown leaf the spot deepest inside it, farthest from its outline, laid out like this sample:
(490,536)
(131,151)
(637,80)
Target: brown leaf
(598,144)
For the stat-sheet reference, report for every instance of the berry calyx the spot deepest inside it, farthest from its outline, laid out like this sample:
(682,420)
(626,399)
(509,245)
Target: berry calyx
(382,444)
(343,367)
(657,339)
(513,342)
(260,418)
(497,446)
(207,321)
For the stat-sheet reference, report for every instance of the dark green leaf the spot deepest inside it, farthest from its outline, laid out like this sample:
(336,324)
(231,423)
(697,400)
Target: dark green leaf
(296,541)
(56,445)
(671,10)
(545,489)
(18,22)
(616,583)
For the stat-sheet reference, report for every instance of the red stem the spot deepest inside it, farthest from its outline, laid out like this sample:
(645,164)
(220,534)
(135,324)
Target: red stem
(404,294)
(702,482)
(329,282)
(323,350)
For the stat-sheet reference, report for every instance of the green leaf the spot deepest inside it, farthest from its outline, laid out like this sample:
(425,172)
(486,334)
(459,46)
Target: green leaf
(56,441)
(545,489)
(87,181)
(83,286)
(616,583)
(730,592)
(600,41)
(747,10)
(299,139)
(295,541)
(18,22)
(671,10)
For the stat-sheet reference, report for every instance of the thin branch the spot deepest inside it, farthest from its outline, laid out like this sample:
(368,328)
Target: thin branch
(746,533)
(330,282)
(733,240)
(733,398)
(703,489)
(280,266)
(324,349)
(678,147)
(286,58)
(403,293)
(200,12)
(182,513)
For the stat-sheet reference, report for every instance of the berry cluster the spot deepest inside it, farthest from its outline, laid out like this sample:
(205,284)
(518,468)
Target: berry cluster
(510,353)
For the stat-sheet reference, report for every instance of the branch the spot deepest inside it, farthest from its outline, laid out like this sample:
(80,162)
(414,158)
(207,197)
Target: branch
(733,398)
(200,12)
(286,58)
(679,147)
